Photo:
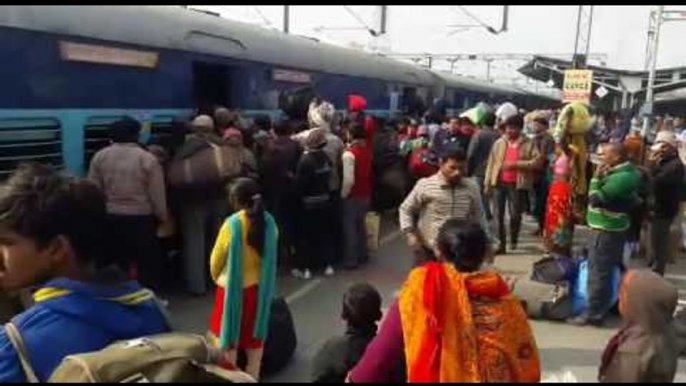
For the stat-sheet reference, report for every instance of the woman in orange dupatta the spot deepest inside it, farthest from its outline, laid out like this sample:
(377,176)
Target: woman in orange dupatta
(452,322)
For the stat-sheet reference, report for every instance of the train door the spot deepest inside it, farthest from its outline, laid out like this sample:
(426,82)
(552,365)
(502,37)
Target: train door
(408,98)
(211,86)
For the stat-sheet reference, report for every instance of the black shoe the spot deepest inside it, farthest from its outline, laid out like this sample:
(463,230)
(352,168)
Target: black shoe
(501,250)
(585,320)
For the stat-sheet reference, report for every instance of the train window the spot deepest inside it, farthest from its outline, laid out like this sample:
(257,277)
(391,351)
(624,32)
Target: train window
(29,140)
(166,133)
(97,135)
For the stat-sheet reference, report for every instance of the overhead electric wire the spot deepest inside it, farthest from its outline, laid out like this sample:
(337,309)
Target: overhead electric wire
(264,18)
(358,18)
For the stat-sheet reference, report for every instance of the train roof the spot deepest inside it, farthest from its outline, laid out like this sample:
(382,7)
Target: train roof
(172,27)
(464,82)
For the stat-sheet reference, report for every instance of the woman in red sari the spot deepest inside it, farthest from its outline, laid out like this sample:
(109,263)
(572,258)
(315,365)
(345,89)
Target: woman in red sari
(558,234)
(453,322)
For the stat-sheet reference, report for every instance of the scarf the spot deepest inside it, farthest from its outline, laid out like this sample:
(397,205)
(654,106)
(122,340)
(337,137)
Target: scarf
(445,341)
(233,301)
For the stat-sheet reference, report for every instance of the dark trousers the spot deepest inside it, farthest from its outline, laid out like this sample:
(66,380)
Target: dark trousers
(541,200)
(485,201)
(354,232)
(507,195)
(135,242)
(660,241)
(605,253)
(315,248)
(200,221)
(337,227)
(284,208)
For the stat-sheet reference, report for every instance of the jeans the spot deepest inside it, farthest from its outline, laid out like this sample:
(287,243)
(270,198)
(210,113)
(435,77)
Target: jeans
(135,242)
(507,195)
(660,240)
(200,223)
(354,231)
(605,253)
(485,201)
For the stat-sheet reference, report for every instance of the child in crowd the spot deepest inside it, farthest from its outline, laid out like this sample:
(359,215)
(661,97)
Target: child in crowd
(243,266)
(361,311)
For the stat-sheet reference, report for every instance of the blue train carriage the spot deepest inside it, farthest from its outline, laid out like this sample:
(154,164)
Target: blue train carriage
(68,72)
(462,92)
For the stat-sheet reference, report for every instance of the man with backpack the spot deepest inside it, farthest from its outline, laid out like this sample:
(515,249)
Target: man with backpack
(54,235)
(198,174)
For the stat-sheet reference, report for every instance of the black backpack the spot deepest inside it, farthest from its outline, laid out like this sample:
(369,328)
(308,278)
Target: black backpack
(281,340)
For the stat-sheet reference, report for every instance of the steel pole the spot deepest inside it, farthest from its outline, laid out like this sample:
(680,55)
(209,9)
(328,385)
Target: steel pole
(384,19)
(651,75)
(286,18)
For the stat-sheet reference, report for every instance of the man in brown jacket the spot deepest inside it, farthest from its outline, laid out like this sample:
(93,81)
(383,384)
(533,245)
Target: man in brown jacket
(511,168)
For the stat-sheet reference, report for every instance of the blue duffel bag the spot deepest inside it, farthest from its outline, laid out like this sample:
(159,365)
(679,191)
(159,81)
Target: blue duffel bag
(579,288)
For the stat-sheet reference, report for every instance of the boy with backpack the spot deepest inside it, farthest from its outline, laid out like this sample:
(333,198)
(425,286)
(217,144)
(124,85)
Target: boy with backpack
(54,236)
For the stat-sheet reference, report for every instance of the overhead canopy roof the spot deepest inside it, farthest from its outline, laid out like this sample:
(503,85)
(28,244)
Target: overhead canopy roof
(173,27)
(468,83)
(543,69)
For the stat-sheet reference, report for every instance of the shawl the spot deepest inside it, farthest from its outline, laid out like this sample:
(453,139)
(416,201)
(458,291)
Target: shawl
(233,301)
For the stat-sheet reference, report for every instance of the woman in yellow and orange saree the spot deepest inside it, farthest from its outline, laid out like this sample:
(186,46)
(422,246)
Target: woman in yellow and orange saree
(452,322)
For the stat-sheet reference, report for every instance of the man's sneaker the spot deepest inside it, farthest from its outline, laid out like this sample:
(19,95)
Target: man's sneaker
(329,271)
(307,275)
(296,273)
(585,320)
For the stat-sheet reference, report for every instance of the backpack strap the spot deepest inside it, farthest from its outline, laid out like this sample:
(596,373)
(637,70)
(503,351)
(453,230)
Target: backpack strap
(18,342)
(218,158)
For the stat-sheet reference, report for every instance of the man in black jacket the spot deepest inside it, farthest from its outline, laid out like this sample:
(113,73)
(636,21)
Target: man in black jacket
(667,174)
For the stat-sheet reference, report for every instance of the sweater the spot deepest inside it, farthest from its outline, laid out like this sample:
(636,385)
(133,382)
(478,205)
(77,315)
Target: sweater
(668,186)
(357,172)
(527,166)
(220,254)
(611,199)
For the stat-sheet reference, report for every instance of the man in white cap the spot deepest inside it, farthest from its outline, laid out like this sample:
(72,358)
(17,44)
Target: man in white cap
(667,176)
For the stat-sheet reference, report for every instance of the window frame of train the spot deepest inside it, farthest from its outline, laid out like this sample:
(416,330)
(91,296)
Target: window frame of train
(153,129)
(24,139)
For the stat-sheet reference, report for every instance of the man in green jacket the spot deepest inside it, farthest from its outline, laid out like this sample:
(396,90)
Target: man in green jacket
(613,194)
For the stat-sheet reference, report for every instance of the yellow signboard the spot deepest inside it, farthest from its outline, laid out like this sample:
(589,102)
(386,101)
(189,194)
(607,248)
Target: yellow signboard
(577,86)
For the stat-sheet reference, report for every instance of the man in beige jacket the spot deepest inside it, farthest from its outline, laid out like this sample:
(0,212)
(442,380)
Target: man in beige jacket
(509,175)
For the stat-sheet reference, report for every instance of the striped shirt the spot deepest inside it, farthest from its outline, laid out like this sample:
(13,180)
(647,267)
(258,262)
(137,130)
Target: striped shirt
(434,201)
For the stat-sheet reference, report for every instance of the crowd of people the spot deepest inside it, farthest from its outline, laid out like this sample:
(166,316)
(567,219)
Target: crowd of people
(246,197)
